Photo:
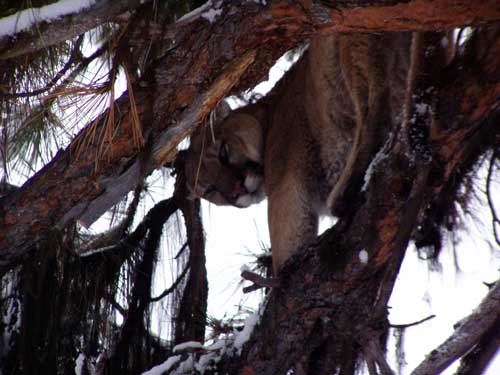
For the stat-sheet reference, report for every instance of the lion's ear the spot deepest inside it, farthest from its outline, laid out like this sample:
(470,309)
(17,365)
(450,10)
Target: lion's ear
(246,131)
(222,111)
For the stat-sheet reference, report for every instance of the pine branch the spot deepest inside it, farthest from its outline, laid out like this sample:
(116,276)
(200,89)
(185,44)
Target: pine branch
(74,58)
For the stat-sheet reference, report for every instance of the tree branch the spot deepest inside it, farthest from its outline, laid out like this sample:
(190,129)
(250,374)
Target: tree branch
(467,333)
(495,218)
(172,287)
(407,325)
(405,15)
(478,359)
(48,34)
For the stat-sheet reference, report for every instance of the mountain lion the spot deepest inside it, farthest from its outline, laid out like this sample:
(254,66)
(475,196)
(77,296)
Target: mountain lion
(308,143)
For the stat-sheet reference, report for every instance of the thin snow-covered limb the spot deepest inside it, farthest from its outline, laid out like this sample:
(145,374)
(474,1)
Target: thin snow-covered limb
(27,18)
(467,334)
(187,346)
(209,11)
(164,367)
(79,364)
(60,21)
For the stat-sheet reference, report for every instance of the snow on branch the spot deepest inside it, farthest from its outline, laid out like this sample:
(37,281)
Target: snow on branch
(60,23)
(27,18)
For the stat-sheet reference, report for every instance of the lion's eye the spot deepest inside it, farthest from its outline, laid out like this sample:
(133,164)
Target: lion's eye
(224,153)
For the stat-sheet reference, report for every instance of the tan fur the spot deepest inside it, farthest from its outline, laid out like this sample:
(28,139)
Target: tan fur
(319,129)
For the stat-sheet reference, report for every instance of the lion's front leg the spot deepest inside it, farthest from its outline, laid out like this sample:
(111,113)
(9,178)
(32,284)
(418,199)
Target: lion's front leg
(292,220)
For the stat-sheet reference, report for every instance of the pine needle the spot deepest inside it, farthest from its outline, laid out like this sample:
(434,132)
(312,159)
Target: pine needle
(137,136)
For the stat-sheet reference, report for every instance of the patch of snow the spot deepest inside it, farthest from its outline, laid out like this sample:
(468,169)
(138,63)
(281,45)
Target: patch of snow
(205,361)
(211,14)
(243,336)
(80,361)
(381,155)
(219,344)
(208,11)
(96,251)
(363,256)
(422,108)
(164,367)
(185,367)
(195,13)
(187,346)
(244,268)
(27,18)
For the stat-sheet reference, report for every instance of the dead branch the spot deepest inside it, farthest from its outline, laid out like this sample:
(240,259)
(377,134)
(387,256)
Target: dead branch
(259,282)
(407,325)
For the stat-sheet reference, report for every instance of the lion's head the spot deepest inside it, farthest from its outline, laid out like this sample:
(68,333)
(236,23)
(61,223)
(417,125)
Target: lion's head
(225,166)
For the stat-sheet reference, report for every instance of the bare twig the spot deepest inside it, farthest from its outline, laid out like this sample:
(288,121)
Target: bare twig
(495,217)
(169,290)
(402,326)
